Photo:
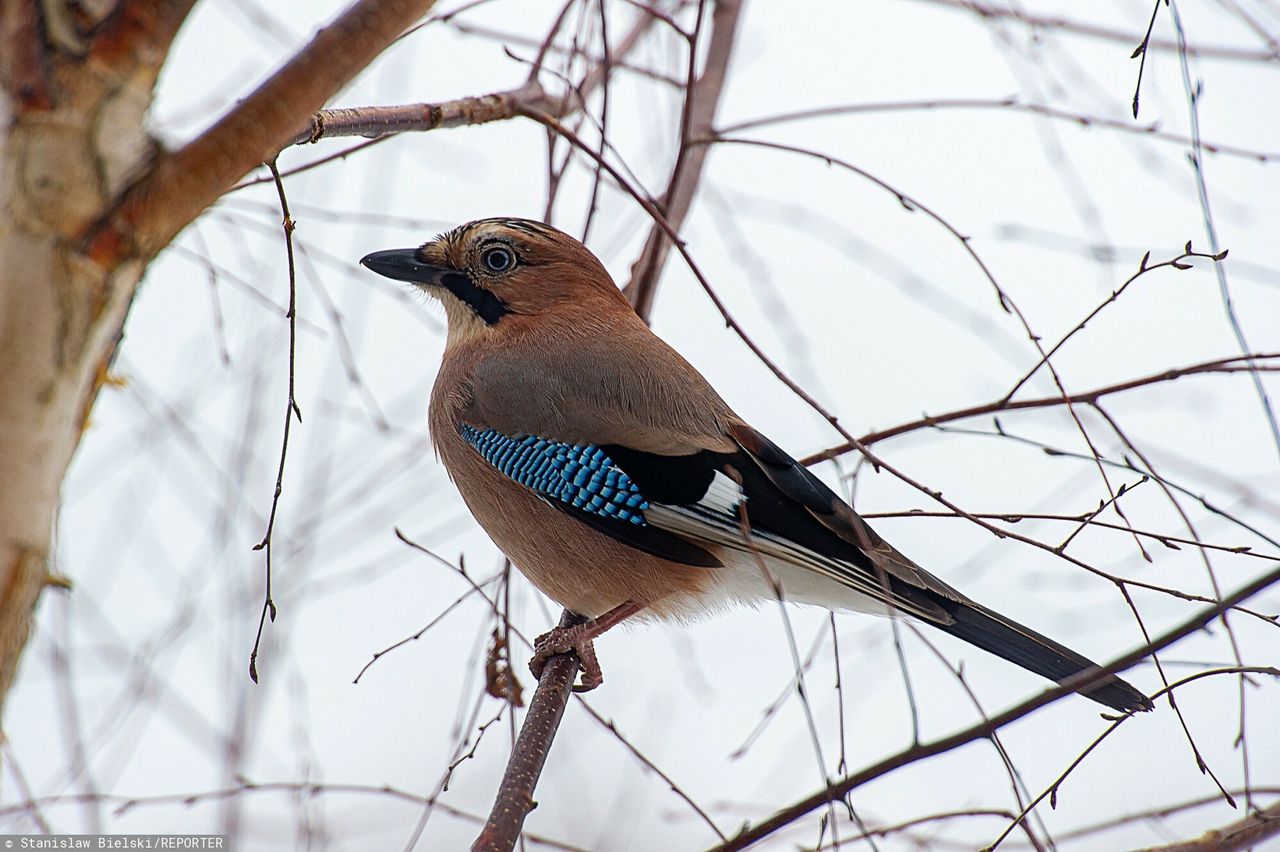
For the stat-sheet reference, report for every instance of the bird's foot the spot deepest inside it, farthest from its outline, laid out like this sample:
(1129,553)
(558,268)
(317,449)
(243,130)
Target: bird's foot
(577,638)
(562,640)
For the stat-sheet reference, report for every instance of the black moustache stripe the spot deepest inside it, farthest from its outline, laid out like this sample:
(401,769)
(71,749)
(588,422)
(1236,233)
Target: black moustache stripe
(486,305)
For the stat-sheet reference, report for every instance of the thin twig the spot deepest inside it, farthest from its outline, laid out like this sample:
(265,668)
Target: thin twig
(291,410)
(1009,103)
(1051,792)
(1140,53)
(1047,23)
(612,728)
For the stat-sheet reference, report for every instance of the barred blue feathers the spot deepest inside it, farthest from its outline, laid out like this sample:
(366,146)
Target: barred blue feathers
(581,475)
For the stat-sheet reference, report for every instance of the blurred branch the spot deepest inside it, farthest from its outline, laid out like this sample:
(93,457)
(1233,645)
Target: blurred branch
(701,100)
(24,55)
(139,32)
(1008,104)
(124,805)
(1157,813)
(1222,365)
(838,790)
(1245,833)
(515,794)
(1065,25)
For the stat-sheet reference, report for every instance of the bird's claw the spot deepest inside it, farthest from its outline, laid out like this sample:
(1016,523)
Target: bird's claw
(562,640)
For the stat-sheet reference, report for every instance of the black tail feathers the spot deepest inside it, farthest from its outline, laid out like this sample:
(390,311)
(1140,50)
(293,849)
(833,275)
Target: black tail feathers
(1020,645)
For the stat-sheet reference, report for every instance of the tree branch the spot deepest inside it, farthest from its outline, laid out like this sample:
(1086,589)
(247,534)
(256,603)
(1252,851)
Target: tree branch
(702,99)
(183,183)
(515,794)
(378,121)
(1244,833)
(23,59)
(1238,364)
(140,32)
(836,791)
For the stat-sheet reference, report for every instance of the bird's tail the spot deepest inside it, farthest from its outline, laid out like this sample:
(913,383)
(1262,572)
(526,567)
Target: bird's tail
(1020,645)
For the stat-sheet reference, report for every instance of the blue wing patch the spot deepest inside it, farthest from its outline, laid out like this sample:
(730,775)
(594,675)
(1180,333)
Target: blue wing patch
(581,475)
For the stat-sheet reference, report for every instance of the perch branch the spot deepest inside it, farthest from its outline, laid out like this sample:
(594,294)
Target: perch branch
(515,794)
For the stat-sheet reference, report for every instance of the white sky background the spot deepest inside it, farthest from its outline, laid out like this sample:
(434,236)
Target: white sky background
(135,684)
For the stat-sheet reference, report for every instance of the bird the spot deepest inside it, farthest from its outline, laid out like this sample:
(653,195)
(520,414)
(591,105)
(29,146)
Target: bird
(622,485)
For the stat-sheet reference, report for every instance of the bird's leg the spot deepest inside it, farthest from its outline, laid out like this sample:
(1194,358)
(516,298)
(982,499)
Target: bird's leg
(562,640)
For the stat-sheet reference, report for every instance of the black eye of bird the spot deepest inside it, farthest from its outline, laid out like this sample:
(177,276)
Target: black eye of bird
(498,259)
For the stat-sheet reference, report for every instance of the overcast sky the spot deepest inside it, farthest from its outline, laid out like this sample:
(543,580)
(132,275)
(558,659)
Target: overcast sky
(135,683)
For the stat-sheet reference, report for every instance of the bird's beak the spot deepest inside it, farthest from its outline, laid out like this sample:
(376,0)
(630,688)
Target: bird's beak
(404,265)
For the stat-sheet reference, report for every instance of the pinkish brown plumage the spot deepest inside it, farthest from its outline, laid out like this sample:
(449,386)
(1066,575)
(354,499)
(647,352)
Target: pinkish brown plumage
(620,483)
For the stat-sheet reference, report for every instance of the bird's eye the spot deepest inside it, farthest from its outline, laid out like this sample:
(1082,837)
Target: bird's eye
(498,259)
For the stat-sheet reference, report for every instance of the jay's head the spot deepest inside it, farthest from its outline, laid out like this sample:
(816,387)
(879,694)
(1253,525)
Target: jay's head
(494,271)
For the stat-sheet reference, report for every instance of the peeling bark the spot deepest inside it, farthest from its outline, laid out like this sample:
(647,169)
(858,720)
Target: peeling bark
(87,198)
(62,157)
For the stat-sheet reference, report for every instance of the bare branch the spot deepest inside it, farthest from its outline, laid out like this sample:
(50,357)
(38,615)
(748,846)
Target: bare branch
(1222,365)
(1043,23)
(377,122)
(182,184)
(1243,834)
(701,101)
(291,410)
(515,795)
(841,788)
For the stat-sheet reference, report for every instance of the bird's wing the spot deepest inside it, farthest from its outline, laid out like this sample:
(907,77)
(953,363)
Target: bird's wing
(604,396)
(901,582)
(807,498)
(756,499)
(584,481)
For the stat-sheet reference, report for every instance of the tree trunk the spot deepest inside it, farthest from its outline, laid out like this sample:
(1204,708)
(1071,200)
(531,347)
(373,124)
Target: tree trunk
(72,138)
(88,199)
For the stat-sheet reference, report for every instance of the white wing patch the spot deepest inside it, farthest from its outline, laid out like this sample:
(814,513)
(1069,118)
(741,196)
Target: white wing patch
(715,519)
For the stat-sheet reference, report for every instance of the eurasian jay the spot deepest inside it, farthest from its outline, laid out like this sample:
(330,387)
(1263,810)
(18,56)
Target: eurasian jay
(613,475)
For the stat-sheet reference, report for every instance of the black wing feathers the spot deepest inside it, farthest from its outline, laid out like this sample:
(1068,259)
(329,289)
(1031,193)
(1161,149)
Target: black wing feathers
(791,478)
(784,499)
(649,539)
(675,480)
